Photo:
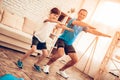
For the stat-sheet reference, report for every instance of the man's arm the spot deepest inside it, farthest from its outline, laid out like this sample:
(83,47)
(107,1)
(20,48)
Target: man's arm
(82,24)
(93,31)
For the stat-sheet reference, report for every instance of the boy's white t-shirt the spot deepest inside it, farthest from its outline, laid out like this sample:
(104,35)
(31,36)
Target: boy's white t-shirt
(43,33)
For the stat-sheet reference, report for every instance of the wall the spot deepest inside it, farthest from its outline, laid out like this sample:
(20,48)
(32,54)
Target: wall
(37,10)
(84,40)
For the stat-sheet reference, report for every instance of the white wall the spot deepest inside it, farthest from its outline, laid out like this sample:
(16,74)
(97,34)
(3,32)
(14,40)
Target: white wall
(86,50)
(38,9)
(103,43)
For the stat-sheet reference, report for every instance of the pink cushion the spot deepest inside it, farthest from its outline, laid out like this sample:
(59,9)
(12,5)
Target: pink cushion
(29,26)
(12,20)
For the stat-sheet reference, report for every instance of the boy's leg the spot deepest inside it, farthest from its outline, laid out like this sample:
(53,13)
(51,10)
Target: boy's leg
(44,55)
(29,52)
(41,46)
(19,62)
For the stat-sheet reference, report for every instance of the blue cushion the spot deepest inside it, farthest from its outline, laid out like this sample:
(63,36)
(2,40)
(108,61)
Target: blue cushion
(9,77)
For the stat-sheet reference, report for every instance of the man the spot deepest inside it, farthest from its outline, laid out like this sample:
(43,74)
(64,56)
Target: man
(65,41)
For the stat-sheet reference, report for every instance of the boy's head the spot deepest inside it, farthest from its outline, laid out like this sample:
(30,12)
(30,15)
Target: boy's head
(54,13)
(82,14)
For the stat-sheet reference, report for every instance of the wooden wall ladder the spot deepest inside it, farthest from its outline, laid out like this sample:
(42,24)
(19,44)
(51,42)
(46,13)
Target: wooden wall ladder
(107,56)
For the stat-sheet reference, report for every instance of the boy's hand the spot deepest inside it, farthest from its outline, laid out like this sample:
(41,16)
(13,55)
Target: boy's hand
(52,36)
(60,23)
(71,30)
(52,20)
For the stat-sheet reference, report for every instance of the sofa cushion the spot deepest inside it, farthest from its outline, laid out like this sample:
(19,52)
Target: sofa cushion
(12,20)
(29,26)
(15,34)
(1,13)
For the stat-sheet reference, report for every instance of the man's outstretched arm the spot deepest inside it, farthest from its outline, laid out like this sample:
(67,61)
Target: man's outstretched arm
(83,24)
(95,32)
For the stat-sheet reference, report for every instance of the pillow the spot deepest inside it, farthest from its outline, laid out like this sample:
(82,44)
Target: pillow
(29,26)
(9,77)
(12,20)
(19,22)
(1,13)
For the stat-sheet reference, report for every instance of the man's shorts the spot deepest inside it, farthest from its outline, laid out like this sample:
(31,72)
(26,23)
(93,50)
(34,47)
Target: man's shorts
(40,45)
(67,48)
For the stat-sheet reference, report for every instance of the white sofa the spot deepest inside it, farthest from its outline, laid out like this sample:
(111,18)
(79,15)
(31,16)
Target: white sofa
(15,31)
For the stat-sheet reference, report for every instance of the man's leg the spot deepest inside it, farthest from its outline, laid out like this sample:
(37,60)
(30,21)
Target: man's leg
(57,55)
(74,60)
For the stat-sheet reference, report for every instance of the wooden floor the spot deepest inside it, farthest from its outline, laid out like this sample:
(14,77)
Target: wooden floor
(9,57)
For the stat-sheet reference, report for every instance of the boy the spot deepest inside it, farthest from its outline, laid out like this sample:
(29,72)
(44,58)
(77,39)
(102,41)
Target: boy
(65,41)
(40,36)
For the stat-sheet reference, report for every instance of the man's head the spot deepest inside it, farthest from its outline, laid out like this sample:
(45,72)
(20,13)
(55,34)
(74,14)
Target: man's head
(82,14)
(54,13)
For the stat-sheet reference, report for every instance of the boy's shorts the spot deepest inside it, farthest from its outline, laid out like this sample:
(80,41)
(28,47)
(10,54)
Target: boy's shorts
(68,48)
(40,45)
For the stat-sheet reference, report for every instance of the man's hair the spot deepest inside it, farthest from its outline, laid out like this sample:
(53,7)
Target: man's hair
(55,11)
(83,10)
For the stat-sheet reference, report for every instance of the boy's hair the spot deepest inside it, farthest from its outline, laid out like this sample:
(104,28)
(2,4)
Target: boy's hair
(83,10)
(55,11)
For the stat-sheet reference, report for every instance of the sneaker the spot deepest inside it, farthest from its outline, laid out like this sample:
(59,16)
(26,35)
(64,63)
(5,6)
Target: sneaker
(46,69)
(63,74)
(20,64)
(37,68)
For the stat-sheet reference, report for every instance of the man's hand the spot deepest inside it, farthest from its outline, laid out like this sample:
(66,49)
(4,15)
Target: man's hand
(95,32)
(107,36)
(91,27)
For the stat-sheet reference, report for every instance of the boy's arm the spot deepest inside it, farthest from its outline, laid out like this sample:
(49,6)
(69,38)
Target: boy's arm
(64,27)
(83,24)
(53,34)
(49,20)
(93,31)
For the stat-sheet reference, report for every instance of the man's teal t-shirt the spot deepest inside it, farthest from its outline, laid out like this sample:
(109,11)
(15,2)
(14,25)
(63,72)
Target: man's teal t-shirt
(69,37)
